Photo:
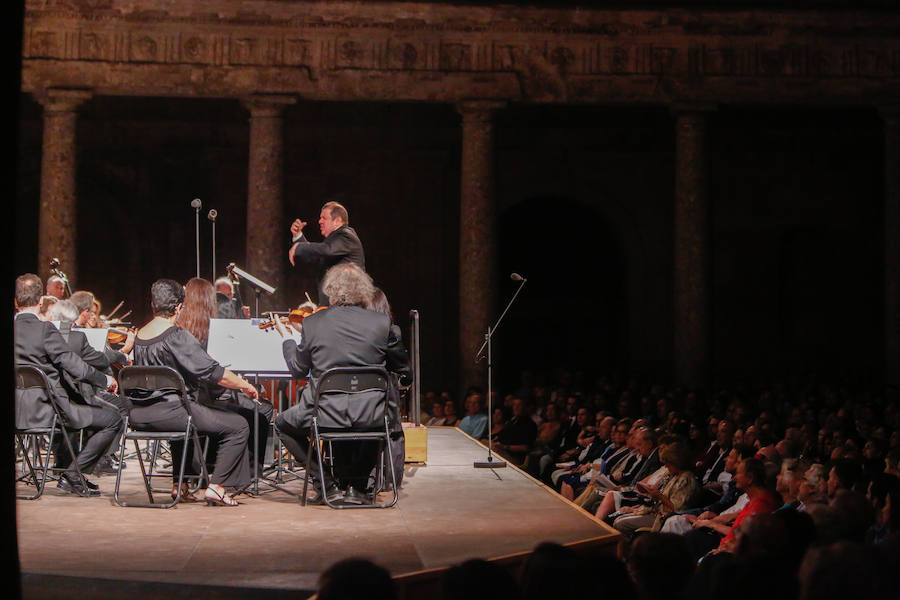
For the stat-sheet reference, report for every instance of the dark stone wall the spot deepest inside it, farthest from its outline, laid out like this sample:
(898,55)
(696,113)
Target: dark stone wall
(798,237)
(584,212)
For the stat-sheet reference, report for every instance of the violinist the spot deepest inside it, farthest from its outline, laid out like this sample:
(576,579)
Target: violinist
(162,342)
(84,302)
(47,303)
(97,321)
(199,308)
(345,334)
(41,345)
(83,392)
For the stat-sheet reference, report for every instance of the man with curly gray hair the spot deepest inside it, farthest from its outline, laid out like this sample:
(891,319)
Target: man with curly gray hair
(346,334)
(348,285)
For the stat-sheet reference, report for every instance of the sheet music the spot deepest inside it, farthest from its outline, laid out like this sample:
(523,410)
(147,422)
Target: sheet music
(95,337)
(240,345)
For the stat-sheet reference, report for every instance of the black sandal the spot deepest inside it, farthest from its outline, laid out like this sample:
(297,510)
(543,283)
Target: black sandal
(186,496)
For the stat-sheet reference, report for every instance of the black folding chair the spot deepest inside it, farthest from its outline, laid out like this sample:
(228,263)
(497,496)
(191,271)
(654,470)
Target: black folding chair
(138,382)
(32,378)
(352,380)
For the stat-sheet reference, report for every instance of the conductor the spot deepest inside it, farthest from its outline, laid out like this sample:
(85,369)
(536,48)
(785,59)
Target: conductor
(341,244)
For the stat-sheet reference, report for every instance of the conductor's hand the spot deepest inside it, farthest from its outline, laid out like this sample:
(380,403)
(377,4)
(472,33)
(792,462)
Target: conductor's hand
(297,227)
(291,253)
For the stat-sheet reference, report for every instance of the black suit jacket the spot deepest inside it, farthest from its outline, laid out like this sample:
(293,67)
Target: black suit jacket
(82,391)
(342,245)
(228,308)
(343,336)
(40,344)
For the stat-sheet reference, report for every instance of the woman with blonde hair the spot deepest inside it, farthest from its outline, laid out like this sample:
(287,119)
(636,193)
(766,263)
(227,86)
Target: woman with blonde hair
(675,492)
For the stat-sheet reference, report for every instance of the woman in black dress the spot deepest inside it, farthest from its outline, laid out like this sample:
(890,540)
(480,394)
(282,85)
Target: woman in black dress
(199,307)
(161,342)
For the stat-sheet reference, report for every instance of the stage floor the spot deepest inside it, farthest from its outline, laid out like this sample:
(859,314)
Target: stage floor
(448,512)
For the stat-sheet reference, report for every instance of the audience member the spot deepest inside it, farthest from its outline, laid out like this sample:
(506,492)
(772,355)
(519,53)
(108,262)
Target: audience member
(660,565)
(474,423)
(354,578)
(478,579)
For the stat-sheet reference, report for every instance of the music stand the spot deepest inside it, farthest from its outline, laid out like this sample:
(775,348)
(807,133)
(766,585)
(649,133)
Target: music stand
(258,285)
(241,346)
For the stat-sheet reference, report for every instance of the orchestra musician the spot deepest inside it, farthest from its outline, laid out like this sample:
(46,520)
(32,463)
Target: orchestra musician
(85,303)
(199,307)
(46,304)
(56,287)
(65,312)
(345,334)
(162,342)
(229,306)
(40,344)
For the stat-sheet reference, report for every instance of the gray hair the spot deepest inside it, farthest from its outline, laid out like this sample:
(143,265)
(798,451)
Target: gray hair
(64,310)
(82,300)
(346,284)
(223,281)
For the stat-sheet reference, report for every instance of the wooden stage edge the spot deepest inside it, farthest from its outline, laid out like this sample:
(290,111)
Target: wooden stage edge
(448,512)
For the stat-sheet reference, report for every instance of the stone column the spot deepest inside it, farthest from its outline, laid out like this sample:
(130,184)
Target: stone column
(57,222)
(692,317)
(267,232)
(892,245)
(477,236)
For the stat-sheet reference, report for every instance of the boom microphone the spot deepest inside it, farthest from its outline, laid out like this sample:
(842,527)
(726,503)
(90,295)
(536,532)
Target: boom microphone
(516,277)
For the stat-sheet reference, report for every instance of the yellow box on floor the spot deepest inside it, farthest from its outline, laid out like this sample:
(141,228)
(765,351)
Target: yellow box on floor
(416,443)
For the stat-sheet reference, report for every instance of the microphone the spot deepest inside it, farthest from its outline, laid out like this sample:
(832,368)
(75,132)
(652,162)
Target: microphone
(213,213)
(54,263)
(196,204)
(516,277)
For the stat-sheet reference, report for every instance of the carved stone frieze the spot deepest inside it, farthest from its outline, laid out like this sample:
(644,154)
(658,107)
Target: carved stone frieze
(549,52)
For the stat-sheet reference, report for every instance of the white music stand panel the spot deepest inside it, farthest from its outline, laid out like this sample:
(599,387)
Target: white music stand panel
(95,337)
(240,345)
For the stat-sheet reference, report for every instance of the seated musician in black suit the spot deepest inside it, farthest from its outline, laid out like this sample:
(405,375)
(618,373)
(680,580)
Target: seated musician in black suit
(344,335)
(40,344)
(229,307)
(66,313)
(86,305)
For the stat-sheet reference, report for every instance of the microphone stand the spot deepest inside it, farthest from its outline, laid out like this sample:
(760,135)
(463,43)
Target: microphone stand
(491,463)
(212,217)
(196,204)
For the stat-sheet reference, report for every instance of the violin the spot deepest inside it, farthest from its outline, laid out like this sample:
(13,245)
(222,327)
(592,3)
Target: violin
(117,336)
(294,317)
(118,330)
